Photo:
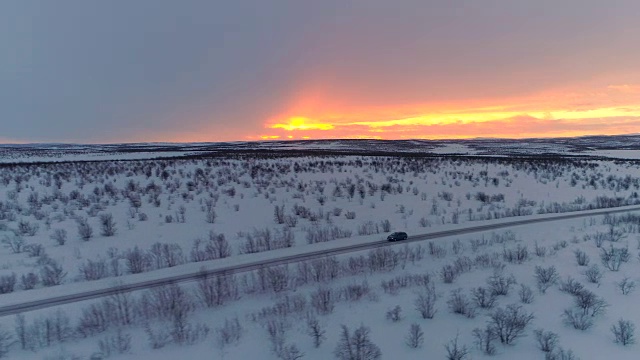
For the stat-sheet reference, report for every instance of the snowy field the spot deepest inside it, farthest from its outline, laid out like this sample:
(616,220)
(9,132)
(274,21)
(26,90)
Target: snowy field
(75,222)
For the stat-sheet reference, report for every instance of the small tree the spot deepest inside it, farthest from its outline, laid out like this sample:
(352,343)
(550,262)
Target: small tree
(455,351)
(107,225)
(509,323)
(59,236)
(623,332)
(626,285)
(415,337)
(547,340)
(356,346)
(545,277)
(426,301)
(484,339)
(315,330)
(85,231)
(5,342)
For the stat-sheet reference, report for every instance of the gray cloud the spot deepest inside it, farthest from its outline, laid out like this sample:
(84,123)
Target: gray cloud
(94,71)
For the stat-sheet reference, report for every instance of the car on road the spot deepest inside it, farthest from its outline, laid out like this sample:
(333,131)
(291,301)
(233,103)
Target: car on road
(397,236)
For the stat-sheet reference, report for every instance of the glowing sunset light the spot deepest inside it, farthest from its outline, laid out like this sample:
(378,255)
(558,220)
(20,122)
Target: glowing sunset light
(607,110)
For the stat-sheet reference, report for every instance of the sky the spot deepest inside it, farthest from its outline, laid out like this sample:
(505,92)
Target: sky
(87,71)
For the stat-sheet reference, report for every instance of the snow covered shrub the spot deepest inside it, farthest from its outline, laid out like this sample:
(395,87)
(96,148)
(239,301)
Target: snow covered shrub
(526,294)
(626,285)
(571,286)
(93,270)
(425,302)
(623,332)
(157,338)
(415,337)
(455,351)
(26,228)
(484,339)
(85,231)
(509,323)
(581,258)
(613,258)
(590,303)
(459,304)
(577,318)
(483,297)
(164,255)
(350,215)
(34,250)
(29,281)
(59,236)
(540,251)
(5,342)
(561,354)
(7,283)
(354,292)
(216,290)
(51,271)
(107,225)
(436,250)
(229,333)
(545,277)
(449,274)
(356,346)
(500,284)
(14,242)
(323,300)
(547,340)
(137,260)
(593,274)
(394,314)
(315,330)
(516,256)
(120,343)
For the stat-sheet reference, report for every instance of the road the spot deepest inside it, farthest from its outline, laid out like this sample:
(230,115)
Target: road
(70,293)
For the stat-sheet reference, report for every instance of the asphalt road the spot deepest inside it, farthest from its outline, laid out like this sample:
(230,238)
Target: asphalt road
(249,266)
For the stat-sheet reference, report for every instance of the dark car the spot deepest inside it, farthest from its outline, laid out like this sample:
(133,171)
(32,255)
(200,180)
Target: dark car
(397,236)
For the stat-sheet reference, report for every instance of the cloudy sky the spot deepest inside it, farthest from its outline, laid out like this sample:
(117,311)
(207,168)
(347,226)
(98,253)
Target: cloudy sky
(200,70)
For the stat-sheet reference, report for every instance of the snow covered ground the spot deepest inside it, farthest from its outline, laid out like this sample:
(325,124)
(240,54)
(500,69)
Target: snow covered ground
(149,216)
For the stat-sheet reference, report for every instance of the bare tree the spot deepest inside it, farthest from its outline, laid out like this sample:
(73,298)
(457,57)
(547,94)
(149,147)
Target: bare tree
(356,346)
(415,337)
(8,283)
(394,314)
(425,303)
(623,332)
(509,323)
(5,342)
(120,343)
(485,338)
(455,351)
(59,236)
(137,260)
(547,340)
(626,285)
(107,225)
(483,297)
(546,277)
(315,330)
(229,333)
(323,300)
(459,304)
(216,290)
(85,231)
(526,294)
(593,274)
(51,272)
